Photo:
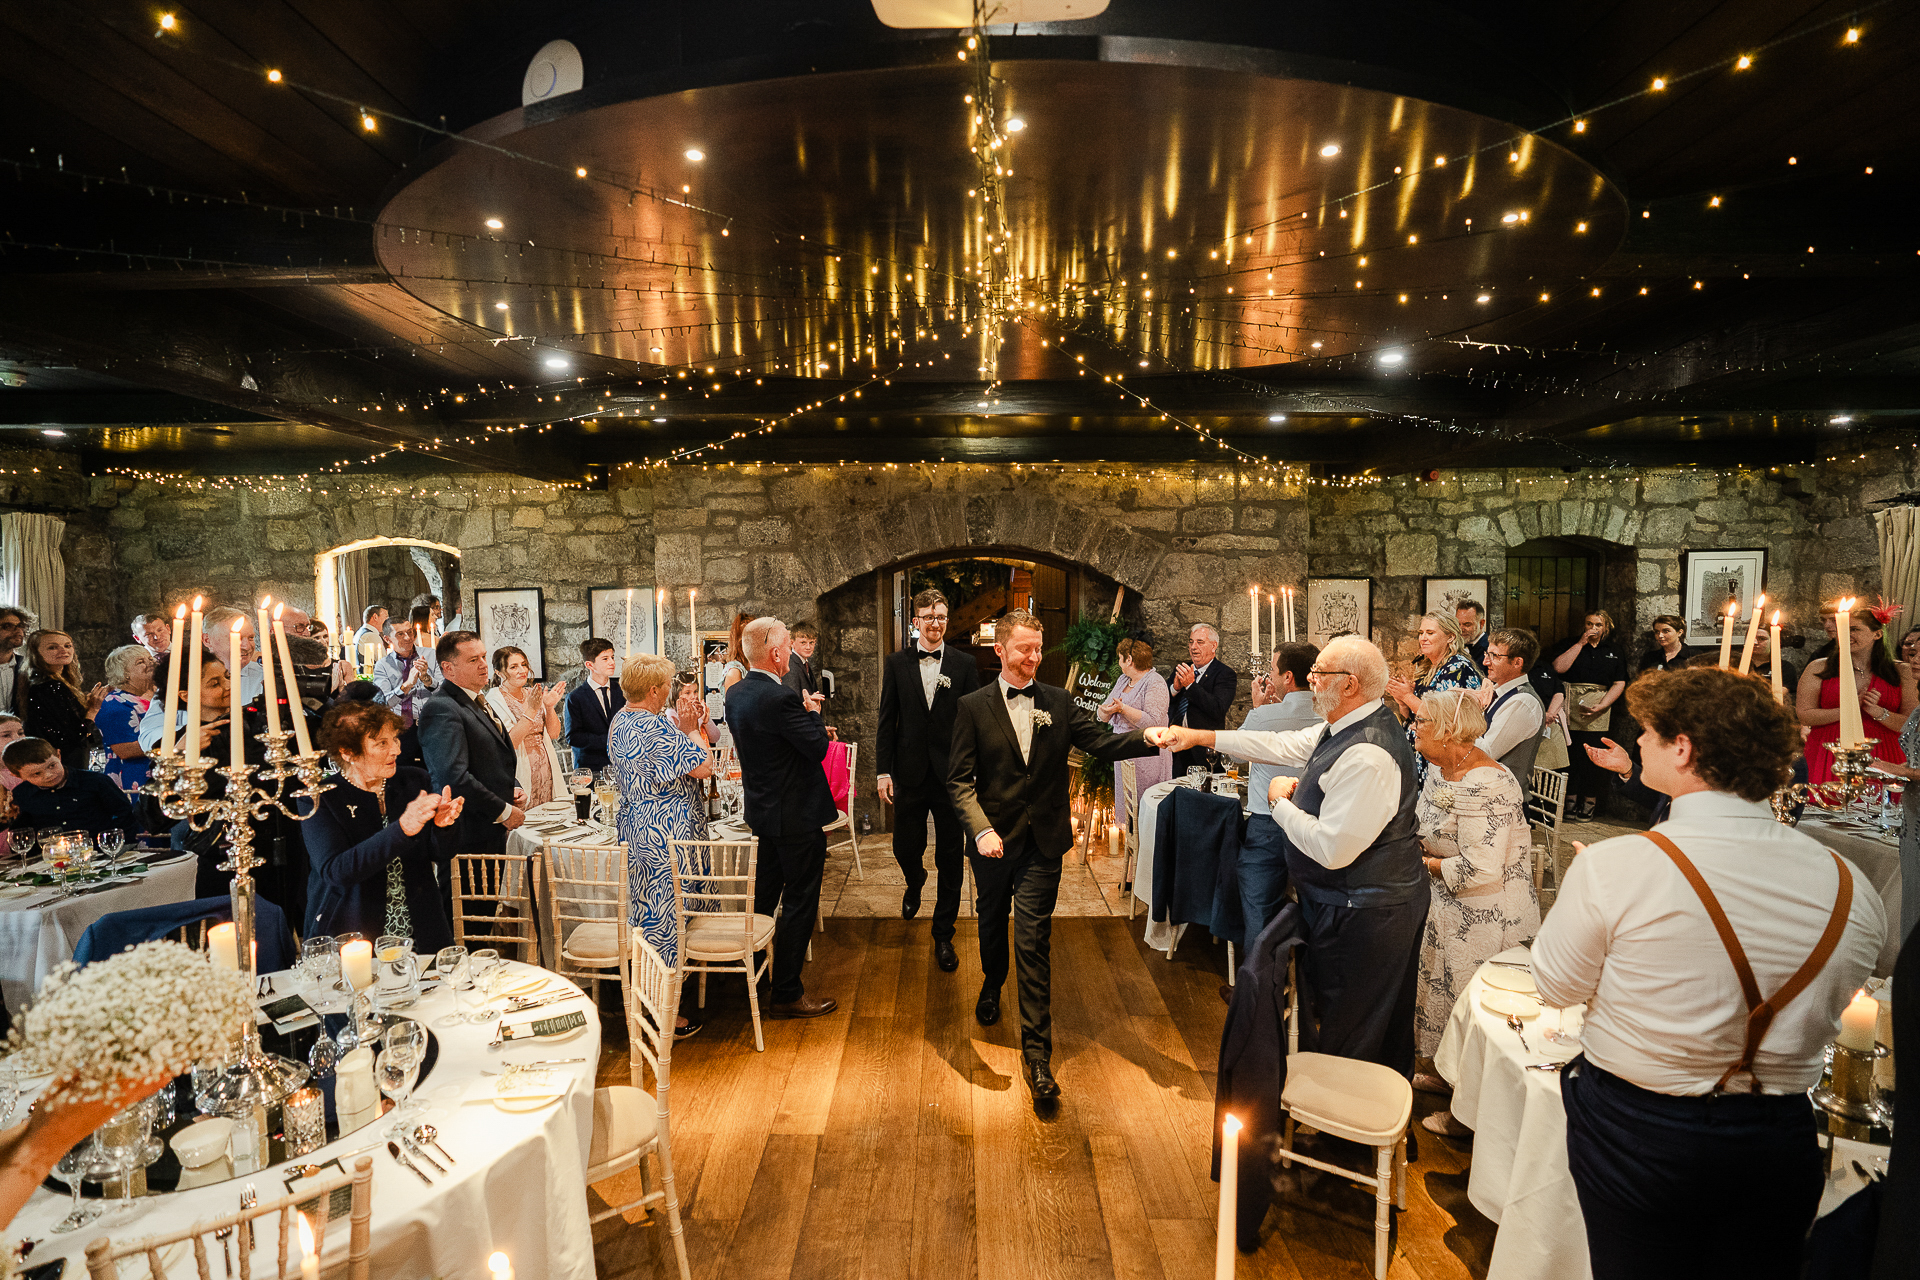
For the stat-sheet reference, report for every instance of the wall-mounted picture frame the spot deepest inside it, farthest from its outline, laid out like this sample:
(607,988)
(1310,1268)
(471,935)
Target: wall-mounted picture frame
(514,616)
(1709,579)
(1445,595)
(626,617)
(1336,606)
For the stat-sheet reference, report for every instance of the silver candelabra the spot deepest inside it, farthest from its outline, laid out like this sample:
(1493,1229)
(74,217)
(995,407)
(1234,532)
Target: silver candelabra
(1852,779)
(178,781)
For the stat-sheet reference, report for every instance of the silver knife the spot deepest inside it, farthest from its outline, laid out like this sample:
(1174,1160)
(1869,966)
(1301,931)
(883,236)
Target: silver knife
(393,1148)
(519,1006)
(414,1148)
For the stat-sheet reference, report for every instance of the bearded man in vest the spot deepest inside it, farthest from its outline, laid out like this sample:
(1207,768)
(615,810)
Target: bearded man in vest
(1353,854)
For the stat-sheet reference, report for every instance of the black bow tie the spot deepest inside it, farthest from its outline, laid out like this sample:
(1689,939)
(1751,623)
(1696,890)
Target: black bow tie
(1020,693)
(935,656)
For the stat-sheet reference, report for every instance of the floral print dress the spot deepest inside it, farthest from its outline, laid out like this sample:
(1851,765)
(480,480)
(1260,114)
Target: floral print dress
(1483,899)
(1457,672)
(658,803)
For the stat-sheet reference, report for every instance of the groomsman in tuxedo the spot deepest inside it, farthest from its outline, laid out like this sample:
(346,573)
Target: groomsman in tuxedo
(1007,776)
(920,688)
(1203,689)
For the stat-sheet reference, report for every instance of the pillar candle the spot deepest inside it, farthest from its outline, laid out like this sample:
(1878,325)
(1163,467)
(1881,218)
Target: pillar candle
(1858,1022)
(235,726)
(1726,634)
(295,710)
(1291,636)
(172,703)
(500,1266)
(1113,841)
(309,1256)
(1779,683)
(266,665)
(1223,1255)
(1753,630)
(356,964)
(1852,732)
(194,641)
(693,641)
(660,621)
(1253,608)
(1273,629)
(222,950)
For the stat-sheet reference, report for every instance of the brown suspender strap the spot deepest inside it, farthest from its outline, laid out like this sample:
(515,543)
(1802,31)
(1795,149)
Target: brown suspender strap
(1760,1012)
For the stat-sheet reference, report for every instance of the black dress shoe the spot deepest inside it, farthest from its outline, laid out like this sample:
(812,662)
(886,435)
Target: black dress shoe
(1040,1080)
(987,1011)
(945,957)
(910,902)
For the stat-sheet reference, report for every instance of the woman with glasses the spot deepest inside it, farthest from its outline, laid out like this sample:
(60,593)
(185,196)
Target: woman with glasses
(1444,664)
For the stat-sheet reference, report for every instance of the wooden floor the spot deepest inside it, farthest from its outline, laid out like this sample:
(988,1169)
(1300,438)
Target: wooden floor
(895,1138)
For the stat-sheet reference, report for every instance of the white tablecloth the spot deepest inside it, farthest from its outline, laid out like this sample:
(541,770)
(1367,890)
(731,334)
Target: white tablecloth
(38,931)
(1878,857)
(1159,934)
(518,1184)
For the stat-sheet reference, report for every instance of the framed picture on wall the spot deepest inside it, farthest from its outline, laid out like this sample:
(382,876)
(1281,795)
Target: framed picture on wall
(625,617)
(1711,578)
(1444,595)
(1339,605)
(513,616)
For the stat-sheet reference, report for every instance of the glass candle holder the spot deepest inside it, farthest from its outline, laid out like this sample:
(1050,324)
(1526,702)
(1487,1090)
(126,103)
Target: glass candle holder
(303,1119)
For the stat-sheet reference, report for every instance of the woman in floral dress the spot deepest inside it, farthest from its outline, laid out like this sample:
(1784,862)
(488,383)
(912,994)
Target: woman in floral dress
(658,768)
(1443,664)
(1473,827)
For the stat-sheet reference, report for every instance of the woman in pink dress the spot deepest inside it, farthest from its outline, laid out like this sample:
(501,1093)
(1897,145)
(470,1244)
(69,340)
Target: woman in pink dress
(1886,688)
(1139,701)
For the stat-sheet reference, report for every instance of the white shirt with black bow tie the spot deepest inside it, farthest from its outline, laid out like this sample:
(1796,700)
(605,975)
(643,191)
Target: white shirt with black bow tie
(930,663)
(1020,711)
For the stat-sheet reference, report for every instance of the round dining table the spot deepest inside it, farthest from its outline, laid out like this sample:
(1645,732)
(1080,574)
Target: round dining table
(516,1184)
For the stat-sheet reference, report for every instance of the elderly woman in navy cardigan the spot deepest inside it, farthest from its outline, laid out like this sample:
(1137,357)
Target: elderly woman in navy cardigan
(371,838)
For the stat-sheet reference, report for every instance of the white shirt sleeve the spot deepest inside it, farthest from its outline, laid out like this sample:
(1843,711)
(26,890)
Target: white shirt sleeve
(1571,949)
(1288,747)
(151,724)
(1521,718)
(1361,792)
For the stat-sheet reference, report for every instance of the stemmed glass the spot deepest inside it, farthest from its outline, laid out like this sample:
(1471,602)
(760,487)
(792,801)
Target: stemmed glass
(111,842)
(482,966)
(72,1170)
(398,1066)
(456,974)
(22,841)
(121,1142)
(60,858)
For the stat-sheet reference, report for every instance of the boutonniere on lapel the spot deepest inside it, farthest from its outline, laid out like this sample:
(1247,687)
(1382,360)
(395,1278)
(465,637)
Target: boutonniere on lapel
(1041,719)
(943,683)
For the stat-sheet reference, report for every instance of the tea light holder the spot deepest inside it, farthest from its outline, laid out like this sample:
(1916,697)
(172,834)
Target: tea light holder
(1847,1093)
(303,1119)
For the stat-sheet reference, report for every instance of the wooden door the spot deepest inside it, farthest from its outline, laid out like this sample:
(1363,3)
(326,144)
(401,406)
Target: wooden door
(1550,589)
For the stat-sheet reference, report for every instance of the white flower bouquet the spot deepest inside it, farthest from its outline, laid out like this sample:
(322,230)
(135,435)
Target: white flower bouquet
(1041,719)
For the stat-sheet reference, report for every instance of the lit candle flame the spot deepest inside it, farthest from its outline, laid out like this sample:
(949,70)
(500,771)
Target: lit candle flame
(306,1235)
(276,611)
(196,604)
(1776,617)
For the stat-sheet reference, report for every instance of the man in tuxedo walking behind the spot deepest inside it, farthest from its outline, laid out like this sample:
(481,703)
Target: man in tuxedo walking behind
(781,744)
(1007,776)
(467,748)
(920,688)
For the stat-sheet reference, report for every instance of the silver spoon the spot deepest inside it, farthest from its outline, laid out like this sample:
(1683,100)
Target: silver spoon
(1545,1066)
(1513,1020)
(431,1136)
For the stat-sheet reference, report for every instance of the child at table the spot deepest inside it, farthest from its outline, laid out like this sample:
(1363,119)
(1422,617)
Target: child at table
(49,796)
(12,729)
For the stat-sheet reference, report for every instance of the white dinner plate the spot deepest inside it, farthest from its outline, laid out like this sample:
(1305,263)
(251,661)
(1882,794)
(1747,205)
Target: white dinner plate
(1508,979)
(1506,1002)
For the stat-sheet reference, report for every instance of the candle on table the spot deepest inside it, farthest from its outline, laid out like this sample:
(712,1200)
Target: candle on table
(1113,841)
(1291,636)
(173,680)
(295,709)
(192,745)
(222,950)
(1253,608)
(1753,630)
(309,1256)
(1852,733)
(238,756)
(356,963)
(1273,629)
(627,651)
(501,1266)
(1858,1022)
(1726,634)
(1779,684)
(1223,1258)
(267,671)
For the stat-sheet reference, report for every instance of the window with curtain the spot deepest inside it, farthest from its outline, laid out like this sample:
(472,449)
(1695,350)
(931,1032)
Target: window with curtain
(1899,529)
(32,574)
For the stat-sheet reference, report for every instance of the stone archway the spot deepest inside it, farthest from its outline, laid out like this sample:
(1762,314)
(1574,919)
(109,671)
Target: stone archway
(326,580)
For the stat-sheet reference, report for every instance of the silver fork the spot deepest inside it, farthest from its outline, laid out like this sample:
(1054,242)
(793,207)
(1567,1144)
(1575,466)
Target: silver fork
(225,1235)
(248,1199)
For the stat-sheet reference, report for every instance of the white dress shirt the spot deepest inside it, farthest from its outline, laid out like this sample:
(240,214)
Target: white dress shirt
(929,672)
(1629,936)
(1020,711)
(253,683)
(1295,711)
(1198,671)
(1518,719)
(1361,788)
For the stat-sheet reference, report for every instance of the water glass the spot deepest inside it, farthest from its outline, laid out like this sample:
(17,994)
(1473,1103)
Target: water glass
(111,842)
(456,975)
(319,966)
(481,966)
(73,1170)
(121,1142)
(398,1066)
(22,841)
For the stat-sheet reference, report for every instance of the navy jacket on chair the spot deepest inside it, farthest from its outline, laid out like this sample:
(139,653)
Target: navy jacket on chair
(1196,862)
(1253,1066)
(781,745)
(116,931)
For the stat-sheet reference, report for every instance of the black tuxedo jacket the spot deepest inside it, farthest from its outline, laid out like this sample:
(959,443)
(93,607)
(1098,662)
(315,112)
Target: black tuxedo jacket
(915,739)
(994,790)
(781,745)
(1204,703)
(464,751)
(587,722)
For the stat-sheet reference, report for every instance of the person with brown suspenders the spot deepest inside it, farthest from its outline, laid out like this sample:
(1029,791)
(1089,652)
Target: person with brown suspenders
(1715,954)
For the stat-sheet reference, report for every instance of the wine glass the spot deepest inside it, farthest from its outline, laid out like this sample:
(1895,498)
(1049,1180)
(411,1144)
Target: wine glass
(23,840)
(72,1170)
(60,857)
(482,967)
(111,842)
(121,1142)
(398,1066)
(456,975)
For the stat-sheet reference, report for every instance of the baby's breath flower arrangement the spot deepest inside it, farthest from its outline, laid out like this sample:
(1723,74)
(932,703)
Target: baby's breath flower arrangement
(111,1034)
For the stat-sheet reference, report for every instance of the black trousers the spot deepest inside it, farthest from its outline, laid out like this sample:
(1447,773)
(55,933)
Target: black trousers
(910,815)
(1026,884)
(1701,1187)
(1585,779)
(788,877)
(1362,975)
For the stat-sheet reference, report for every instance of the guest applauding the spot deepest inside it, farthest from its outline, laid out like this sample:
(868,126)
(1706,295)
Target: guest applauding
(591,705)
(1203,689)
(59,707)
(1139,700)
(129,672)
(1596,676)
(1443,664)
(660,801)
(371,840)
(1476,843)
(1515,713)
(689,713)
(1667,652)
(532,723)
(1685,1108)
(1886,688)
(52,795)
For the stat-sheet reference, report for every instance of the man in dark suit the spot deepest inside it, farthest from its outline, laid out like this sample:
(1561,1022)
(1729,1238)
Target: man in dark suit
(781,744)
(1007,777)
(920,686)
(592,705)
(803,673)
(1203,689)
(467,749)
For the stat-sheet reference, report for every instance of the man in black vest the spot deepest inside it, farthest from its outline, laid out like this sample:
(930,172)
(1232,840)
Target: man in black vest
(1353,854)
(1515,713)
(1203,689)
(1007,776)
(920,687)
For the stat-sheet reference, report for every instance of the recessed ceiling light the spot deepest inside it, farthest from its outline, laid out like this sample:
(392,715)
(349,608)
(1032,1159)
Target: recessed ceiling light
(556,362)
(1838,420)
(1331,150)
(696,155)
(1315,346)
(1510,217)
(499,306)
(1276,417)
(1143,364)
(659,419)
(494,224)
(1392,357)
(1016,124)
(1485,297)
(57,434)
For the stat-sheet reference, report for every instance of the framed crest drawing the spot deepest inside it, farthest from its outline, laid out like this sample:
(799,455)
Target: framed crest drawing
(1337,606)
(1710,579)
(625,617)
(1444,595)
(513,616)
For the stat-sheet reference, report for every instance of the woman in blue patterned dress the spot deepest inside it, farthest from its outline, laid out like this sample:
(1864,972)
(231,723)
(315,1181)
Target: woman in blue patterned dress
(1443,664)
(660,801)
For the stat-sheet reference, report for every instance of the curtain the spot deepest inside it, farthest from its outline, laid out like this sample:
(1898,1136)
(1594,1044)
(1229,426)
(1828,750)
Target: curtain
(356,586)
(32,574)
(1899,529)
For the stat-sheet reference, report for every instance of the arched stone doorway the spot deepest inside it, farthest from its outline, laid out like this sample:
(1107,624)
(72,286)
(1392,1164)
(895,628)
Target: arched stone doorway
(433,563)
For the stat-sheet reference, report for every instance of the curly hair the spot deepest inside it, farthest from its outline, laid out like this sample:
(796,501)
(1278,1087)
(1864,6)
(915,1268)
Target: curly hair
(1743,741)
(349,724)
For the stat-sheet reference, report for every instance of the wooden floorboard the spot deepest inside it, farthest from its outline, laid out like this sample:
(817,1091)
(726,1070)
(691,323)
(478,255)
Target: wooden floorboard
(895,1138)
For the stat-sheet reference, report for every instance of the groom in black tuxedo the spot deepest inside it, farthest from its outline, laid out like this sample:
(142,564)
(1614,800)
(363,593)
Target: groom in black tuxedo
(920,689)
(1007,775)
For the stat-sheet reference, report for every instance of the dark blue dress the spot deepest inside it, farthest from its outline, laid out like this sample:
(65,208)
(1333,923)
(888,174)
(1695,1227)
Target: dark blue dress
(349,846)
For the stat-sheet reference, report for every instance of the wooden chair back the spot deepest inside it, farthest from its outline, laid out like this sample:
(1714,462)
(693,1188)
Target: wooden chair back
(1546,811)
(587,888)
(505,882)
